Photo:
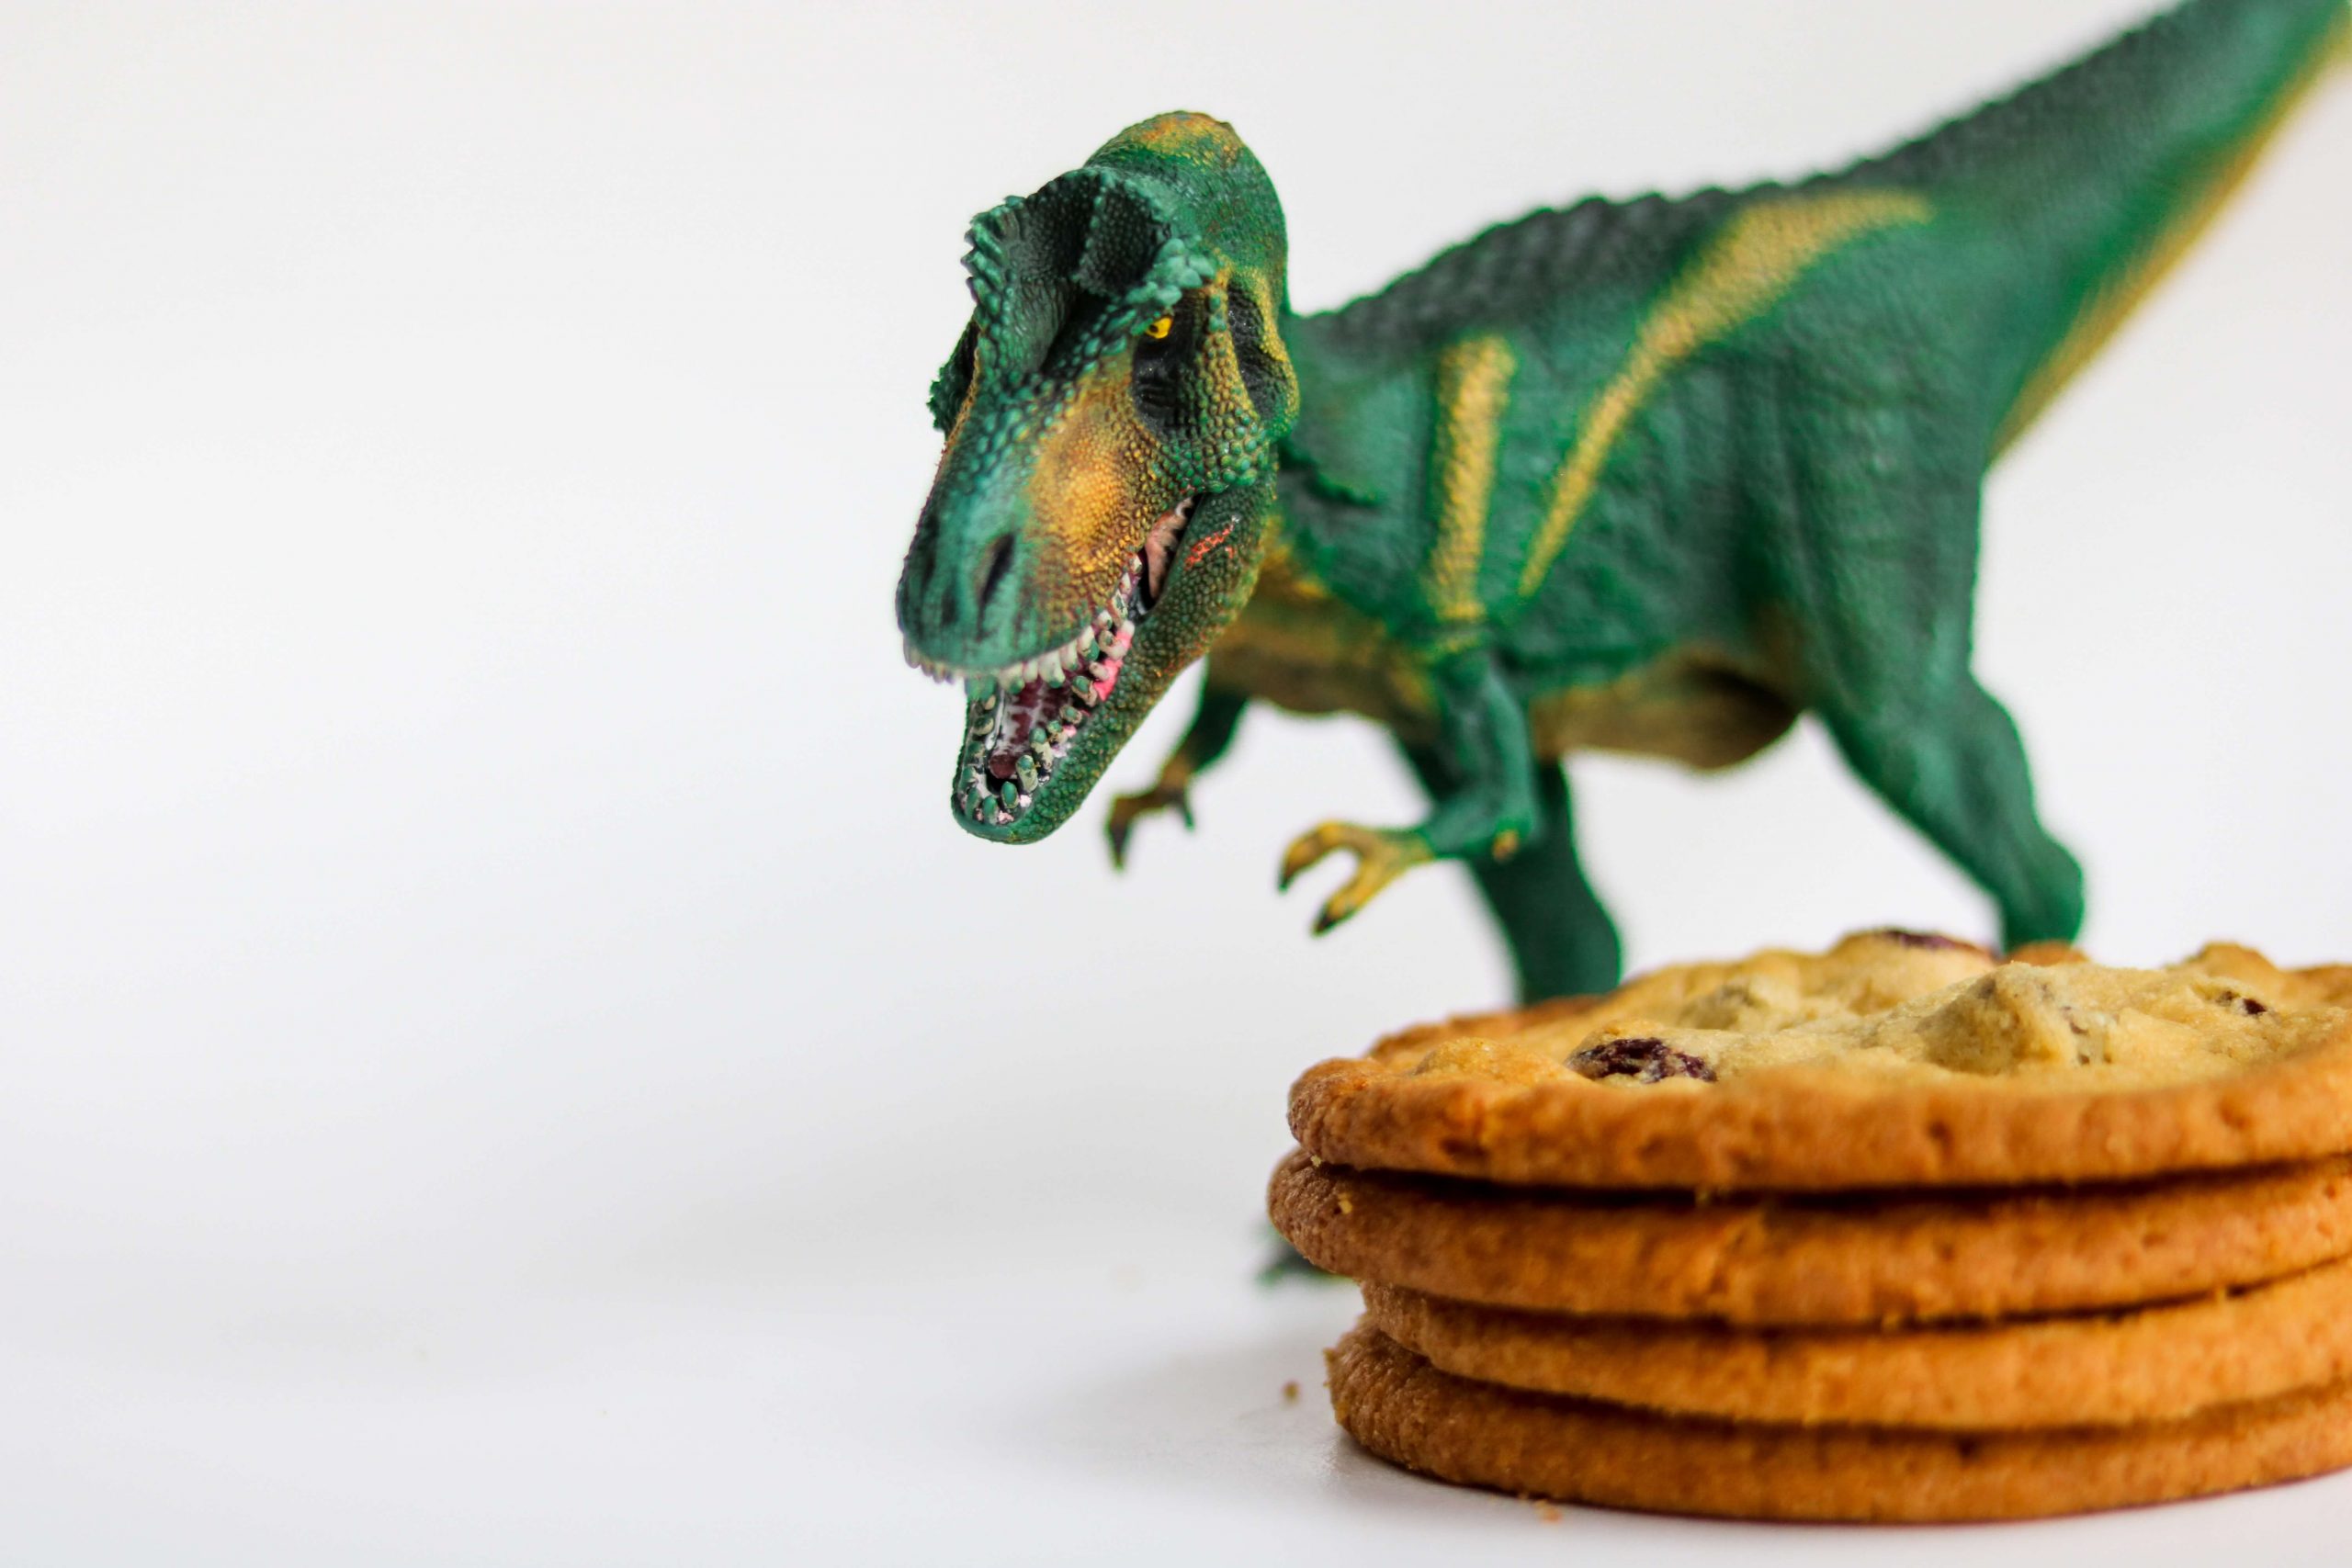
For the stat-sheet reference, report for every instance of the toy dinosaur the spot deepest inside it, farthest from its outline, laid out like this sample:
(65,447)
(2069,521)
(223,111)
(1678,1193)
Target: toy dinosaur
(1649,475)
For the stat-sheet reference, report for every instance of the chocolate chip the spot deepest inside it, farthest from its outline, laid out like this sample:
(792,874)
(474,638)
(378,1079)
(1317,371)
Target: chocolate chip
(1922,939)
(2246,1005)
(1645,1059)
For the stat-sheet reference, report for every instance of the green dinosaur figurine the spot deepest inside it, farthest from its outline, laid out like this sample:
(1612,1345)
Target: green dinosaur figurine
(1648,476)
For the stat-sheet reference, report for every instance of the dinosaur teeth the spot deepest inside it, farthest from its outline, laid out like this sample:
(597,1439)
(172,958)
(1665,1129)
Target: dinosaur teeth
(1015,740)
(915,660)
(1025,717)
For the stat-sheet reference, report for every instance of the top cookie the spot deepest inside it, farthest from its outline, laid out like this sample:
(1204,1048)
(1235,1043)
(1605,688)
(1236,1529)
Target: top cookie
(1894,1059)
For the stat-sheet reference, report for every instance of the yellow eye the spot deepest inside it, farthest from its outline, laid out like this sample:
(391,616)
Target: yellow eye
(1161,328)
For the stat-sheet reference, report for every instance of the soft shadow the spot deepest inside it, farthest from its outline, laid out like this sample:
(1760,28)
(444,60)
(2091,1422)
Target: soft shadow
(1247,1416)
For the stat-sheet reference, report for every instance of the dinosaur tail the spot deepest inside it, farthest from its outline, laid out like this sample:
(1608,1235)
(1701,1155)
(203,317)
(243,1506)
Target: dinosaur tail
(2083,187)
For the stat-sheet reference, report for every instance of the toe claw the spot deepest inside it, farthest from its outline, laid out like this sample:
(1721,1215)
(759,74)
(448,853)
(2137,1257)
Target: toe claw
(1127,810)
(1304,852)
(1381,854)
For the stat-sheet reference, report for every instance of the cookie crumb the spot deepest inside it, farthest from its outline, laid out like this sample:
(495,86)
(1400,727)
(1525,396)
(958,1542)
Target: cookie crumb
(1290,1391)
(1548,1512)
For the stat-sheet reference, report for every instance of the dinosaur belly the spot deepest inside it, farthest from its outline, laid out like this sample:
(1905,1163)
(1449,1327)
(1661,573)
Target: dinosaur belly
(1680,706)
(1299,648)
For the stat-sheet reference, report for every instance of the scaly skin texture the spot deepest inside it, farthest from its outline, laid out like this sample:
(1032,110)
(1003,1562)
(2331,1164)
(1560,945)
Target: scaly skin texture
(1651,476)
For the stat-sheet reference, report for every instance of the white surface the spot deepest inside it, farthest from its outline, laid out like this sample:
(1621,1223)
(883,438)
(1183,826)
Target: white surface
(503,1057)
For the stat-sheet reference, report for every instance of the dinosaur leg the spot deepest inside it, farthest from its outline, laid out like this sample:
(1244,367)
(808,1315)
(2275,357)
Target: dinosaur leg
(1950,761)
(1486,809)
(1562,942)
(1204,743)
(1883,581)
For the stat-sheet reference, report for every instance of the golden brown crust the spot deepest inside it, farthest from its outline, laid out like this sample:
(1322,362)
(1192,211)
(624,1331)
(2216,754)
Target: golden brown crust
(2156,1363)
(1817,1260)
(1802,1130)
(1895,1008)
(1891,1060)
(1400,1407)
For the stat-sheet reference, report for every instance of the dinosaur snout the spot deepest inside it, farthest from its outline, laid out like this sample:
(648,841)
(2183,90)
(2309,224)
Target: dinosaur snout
(959,597)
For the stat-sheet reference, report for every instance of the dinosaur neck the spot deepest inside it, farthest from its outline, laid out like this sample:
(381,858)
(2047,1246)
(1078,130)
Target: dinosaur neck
(1313,498)
(1307,341)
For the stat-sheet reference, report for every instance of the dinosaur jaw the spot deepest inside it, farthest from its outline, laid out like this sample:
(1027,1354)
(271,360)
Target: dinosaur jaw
(1022,721)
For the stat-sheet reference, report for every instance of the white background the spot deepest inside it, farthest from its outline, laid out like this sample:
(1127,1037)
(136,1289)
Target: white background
(503,1058)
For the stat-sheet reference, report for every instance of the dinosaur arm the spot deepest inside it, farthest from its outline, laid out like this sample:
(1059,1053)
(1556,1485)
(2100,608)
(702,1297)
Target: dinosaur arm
(1212,731)
(1482,740)
(1485,791)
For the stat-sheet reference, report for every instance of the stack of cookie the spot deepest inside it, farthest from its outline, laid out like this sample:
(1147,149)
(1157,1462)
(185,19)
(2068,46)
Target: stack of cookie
(1899,1231)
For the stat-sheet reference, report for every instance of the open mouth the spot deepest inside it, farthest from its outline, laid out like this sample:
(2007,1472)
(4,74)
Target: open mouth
(1020,720)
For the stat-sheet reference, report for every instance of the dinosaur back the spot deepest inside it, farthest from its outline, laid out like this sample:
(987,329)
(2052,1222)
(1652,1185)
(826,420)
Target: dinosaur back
(1601,253)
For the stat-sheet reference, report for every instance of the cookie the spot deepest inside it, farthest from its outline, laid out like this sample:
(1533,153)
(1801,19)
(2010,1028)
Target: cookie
(1399,1406)
(1893,1060)
(2156,1363)
(1822,1259)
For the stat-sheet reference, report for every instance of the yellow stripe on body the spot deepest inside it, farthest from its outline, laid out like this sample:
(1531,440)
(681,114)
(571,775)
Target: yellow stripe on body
(1473,389)
(1744,271)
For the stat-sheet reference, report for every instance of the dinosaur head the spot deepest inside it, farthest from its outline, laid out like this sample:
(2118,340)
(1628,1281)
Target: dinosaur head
(1112,412)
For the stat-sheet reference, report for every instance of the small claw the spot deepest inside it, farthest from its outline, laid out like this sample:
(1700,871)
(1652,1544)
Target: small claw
(1307,850)
(1121,824)
(1382,855)
(1127,810)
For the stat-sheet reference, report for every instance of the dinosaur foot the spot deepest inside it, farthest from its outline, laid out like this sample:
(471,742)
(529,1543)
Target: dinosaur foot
(1382,855)
(1127,810)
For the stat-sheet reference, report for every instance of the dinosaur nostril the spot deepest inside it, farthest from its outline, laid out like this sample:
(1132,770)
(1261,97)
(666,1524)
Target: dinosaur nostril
(994,567)
(923,561)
